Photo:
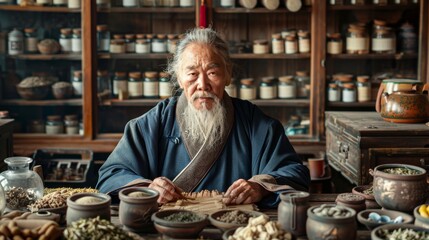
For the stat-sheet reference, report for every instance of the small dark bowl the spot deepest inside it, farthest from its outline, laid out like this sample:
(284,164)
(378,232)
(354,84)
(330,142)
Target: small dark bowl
(390,227)
(33,93)
(225,225)
(363,217)
(178,229)
(62,90)
(370,202)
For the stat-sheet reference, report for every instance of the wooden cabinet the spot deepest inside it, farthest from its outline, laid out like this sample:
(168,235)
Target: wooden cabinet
(103,118)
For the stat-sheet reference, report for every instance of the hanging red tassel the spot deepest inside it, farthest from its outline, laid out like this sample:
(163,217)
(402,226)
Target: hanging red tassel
(203,19)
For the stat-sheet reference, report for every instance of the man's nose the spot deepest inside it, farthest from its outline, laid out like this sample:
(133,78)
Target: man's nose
(203,82)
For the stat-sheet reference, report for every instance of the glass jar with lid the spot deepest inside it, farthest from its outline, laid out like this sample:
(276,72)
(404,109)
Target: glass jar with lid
(186,3)
(260,46)
(348,92)
(334,43)
(334,92)
(135,85)
(143,46)
(54,124)
(66,39)
(21,186)
(165,86)
(36,126)
(159,44)
(304,41)
(227,3)
(172,42)
(383,38)
(357,41)
(74,3)
(31,40)
(151,85)
(170,3)
(103,38)
(287,87)
(291,44)
(268,88)
(76,40)
(231,89)
(120,84)
(302,84)
(103,83)
(77,83)
(130,3)
(247,89)
(363,89)
(44,2)
(71,124)
(277,43)
(130,43)
(15,42)
(117,45)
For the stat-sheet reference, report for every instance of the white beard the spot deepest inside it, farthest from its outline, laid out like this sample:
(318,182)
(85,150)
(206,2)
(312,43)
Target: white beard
(205,125)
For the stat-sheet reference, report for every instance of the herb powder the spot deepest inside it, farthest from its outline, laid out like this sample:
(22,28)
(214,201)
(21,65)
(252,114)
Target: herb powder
(183,217)
(236,217)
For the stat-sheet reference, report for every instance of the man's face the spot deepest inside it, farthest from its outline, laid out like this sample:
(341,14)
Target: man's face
(202,72)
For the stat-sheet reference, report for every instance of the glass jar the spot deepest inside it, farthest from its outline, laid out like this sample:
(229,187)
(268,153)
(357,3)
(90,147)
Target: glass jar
(172,43)
(287,87)
(268,88)
(15,42)
(159,44)
(76,40)
(383,40)
(103,83)
(31,40)
(336,2)
(77,83)
(291,45)
(349,92)
(357,2)
(44,2)
(130,3)
(71,124)
(54,125)
(135,85)
(334,44)
(165,86)
(36,126)
(170,3)
(130,43)
(120,84)
(277,43)
(231,89)
(407,38)
(66,39)
(304,41)
(74,3)
(81,131)
(227,3)
(260,46)
(103,3)
(149,3)
(151,85)
(247,89)
(117,46)
(357,41)
(401,2)
(186,3)
(21,186)
(363,89)
(380,2)
(302,84)
(334,93)
(288,32)
(142,46)
(103,38)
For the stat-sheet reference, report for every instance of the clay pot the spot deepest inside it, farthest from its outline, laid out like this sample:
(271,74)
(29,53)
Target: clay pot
(88,205)
(292,212)
(351,200)
(370,202)
(405,107)
(399,192)
(136,208)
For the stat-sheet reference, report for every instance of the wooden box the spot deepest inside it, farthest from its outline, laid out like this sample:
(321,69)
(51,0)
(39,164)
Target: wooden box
(359,141)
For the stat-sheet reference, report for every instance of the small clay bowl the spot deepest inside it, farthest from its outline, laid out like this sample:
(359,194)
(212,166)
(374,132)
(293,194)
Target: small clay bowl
(375,233)
(420,220)
(175,229)
(363,217)
(88,205)
(229,225)
(369,198)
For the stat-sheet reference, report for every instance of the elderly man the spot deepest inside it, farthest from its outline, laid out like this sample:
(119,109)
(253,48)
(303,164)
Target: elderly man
(204,139)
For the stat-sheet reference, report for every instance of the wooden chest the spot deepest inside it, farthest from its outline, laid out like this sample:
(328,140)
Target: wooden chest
(359,141)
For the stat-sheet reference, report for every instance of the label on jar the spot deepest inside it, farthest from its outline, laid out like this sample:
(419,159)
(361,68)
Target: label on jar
(142,48)
(335,47)
(66,44)
(357,44)
(165,89)
(76,45)
(267,92)
(120,85)
(334,95)
(287,91)
(364,93)
(248,93)
(117,48)
(31,44)
(383,44)
(260,49)
(304,45)
(135,89)
(151,89)
(291,47)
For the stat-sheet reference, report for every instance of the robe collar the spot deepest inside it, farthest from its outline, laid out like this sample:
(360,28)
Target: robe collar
(202,158)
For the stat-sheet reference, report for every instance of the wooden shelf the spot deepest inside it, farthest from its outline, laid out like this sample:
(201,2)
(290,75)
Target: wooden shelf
(270,56)
(23,102)
(39,9)
(48,57)
(147,10)
(139,56)
(352,104)
(369,7)
(258,10)
(396,56)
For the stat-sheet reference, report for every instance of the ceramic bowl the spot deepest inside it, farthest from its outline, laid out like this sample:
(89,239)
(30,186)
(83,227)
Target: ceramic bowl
(363,217)
(175,229)
(376,233)
(420,220)
(370,202)
(33,93)
(223,225)
(228,233)
(88,205)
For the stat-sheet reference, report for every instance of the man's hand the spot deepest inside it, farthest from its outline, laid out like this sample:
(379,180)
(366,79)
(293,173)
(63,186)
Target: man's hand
(244,192)
(167,190)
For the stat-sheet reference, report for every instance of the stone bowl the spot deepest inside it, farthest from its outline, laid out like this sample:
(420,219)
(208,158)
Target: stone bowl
(176,229)
(224,225)
(370,202)
(376,233)
(363,217)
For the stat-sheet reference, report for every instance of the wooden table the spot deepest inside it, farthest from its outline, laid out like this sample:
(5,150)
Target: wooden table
(211,232)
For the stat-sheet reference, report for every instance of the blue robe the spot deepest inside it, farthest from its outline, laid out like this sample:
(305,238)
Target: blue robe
(257,145)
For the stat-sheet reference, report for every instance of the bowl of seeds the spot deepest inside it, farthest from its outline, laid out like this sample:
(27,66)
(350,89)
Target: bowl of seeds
(34,88)
(179,223)
(232,218)
(399,231)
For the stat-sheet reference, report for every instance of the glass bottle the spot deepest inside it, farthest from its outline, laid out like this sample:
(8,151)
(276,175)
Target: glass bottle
(103,38)
(304,41)
(357,41)
(21,186)
(76,40)
(260,46)
(159,44)
(77,83)
(71,124)
(15,42)
(54,124)
(287,87)
(103,83)
(120,84)
(135,85)
(165,86)
(247,89)
(130,43)
(334,43)
(302,84)
(277,43)
(66,40)
(267,88)
(363,89)
(74,3)
(334,93)
(31,40)
(151,85)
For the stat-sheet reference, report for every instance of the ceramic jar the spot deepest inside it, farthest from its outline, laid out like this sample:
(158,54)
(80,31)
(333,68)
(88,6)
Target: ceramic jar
(88,205)
(399,192)
(292,212)
(370,202)
(351,200)
(136,208)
